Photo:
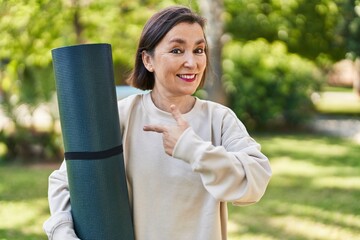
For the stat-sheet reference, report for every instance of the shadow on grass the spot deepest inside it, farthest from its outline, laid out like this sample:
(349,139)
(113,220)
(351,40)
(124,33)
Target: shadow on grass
(18,183)
(301,192)
(23,194)
(299,211)
(311,194)
(318,149)
(12,234)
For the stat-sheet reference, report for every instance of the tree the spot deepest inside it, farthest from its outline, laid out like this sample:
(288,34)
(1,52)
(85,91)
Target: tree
(28,32)
(30,29)
(349,30)
(213,11)
(308,28)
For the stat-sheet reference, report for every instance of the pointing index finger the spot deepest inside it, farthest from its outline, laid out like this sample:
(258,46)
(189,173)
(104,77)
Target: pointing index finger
(177,115)
(154,128)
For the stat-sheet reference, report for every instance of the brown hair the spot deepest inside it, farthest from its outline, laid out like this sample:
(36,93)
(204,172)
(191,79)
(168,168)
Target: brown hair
(154,31)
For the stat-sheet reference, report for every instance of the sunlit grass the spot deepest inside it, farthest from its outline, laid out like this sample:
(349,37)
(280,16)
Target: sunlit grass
(308,228)
(338,107)
(338,102)
(23,202)
(24,217)
(337,89)
(313,193)
(338,182)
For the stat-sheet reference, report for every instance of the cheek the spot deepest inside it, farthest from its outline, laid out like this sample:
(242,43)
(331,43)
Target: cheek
(203,63)
(168,65)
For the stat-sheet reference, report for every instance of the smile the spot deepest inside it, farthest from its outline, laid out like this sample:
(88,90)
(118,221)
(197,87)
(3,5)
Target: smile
(187,77)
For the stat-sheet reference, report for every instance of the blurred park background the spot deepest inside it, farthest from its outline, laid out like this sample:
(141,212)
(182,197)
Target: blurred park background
(290,70)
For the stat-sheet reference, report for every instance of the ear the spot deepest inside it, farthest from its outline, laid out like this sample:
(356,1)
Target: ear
(147,61)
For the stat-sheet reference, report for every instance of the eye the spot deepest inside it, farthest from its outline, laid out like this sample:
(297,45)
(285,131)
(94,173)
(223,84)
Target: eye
(176,51)
(199,51)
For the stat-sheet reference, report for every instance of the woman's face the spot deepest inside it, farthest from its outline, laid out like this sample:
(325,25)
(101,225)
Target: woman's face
(179,60)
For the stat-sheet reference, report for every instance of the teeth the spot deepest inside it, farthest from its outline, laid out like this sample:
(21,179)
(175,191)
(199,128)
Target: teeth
(187,76)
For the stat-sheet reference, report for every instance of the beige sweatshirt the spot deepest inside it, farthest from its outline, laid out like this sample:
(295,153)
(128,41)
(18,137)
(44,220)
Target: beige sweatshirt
(184,196)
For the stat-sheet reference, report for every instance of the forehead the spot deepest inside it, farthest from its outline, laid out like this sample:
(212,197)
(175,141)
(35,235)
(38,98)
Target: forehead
(184,33)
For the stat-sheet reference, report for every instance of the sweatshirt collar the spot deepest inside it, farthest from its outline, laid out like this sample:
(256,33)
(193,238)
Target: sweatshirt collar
(154,111)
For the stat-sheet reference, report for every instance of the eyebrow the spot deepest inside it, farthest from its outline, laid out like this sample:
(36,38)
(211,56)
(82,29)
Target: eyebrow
(182,41)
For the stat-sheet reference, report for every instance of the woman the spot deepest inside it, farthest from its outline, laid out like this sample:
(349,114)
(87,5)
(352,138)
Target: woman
(195,155)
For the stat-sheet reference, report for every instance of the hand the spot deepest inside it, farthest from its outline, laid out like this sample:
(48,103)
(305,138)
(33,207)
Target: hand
(170,134)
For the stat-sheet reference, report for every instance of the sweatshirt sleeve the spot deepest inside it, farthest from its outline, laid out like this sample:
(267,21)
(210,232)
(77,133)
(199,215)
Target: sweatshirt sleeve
(236,171)
(60,224)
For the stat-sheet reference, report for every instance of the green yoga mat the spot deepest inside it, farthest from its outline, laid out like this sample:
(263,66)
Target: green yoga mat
(92,142)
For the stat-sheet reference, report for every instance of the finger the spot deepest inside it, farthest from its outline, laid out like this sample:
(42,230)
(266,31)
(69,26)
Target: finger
(175,112)
(154,128)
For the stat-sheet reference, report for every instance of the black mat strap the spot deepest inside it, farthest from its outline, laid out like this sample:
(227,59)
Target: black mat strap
(94,155)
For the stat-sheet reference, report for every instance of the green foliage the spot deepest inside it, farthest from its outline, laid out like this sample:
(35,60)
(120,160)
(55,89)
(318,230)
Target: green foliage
(349,26)
(30,29)
(267,85)
(28,145)
(307,27)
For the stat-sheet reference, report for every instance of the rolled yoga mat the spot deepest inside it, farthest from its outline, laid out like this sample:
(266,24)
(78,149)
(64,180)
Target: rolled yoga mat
(92,142)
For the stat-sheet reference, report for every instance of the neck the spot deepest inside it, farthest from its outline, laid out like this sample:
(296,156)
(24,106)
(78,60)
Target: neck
(163,102)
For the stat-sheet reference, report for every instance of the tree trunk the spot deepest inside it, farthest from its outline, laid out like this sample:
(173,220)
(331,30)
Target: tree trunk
(356,82)
(213,10)
(78,27)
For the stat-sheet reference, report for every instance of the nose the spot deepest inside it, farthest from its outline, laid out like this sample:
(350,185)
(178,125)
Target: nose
(190,61)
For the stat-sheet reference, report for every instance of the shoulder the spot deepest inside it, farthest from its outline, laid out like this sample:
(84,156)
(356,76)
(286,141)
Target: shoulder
(126,105)
(221,114)
(216,109)
(128,101)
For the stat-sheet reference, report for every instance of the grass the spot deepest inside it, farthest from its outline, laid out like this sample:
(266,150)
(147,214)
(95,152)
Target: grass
(23,202)
(348,104)
(313,194)
(328,88)
(336,100)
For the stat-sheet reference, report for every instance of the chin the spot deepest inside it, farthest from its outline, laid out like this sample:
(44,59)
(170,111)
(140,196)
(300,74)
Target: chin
(189,91)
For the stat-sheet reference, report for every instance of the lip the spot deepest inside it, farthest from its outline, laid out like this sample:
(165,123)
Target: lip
(187,77)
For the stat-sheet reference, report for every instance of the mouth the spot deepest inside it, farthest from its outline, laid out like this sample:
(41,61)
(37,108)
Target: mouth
(187,77)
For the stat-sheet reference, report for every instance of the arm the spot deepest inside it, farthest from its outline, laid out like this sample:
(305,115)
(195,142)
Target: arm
(236,172)
(60,225)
